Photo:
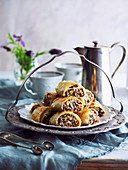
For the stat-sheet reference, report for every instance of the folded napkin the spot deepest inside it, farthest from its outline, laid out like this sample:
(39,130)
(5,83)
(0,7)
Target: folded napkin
(69,150)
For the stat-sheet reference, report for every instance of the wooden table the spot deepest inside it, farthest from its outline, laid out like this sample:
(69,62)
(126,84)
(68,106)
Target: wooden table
(116,160)
(105,164)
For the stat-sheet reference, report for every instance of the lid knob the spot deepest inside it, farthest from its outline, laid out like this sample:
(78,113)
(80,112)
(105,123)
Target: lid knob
(95,43)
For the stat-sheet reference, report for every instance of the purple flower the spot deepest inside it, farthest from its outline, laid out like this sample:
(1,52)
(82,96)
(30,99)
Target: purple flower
(19,38)
(5,47)
(30,53)
(4,44)
(55,51)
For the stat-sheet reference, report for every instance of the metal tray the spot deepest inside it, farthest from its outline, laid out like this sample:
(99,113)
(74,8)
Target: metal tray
(14,118)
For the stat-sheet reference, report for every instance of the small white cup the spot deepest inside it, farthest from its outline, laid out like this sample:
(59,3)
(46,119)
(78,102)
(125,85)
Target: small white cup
(72,71)
(41,82)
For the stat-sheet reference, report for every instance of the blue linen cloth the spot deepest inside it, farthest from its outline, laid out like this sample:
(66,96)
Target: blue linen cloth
(69,150)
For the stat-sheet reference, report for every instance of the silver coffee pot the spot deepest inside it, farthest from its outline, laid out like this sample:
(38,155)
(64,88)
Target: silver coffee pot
(93,78)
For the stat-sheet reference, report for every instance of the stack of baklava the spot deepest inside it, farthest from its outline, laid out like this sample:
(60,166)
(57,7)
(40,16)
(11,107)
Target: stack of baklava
(70,106)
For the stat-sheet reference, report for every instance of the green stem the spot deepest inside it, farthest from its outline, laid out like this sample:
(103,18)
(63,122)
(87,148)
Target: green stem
(21,72)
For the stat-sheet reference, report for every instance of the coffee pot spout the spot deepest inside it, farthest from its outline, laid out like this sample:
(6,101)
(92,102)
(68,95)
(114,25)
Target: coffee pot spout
(80,50)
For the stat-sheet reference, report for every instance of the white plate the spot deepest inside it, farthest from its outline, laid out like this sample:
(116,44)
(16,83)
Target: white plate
(24,114)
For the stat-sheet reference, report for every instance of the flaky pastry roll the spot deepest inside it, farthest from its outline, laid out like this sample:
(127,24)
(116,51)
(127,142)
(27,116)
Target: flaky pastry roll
(70,88)
(67,104)
(98,107)
(43,114)
(49,97)
(88,116)
(65,119)
(35,106)
(87,98)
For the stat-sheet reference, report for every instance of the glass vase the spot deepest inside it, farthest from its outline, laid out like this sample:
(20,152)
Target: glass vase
(20,73)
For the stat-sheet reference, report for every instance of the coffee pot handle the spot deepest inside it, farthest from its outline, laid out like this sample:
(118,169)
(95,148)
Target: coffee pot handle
(118,44)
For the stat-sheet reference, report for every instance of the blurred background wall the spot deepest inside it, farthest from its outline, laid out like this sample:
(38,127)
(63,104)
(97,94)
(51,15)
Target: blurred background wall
(63,24)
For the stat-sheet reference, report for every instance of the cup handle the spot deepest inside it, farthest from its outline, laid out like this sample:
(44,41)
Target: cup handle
(27,88)
(123,56)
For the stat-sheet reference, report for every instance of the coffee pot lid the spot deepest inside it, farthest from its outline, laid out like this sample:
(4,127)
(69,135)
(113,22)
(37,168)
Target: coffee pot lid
(96,45)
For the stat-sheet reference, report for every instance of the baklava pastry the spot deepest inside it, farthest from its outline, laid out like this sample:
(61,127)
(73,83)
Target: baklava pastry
(35,106)
(98,107)
(65,119)
(67,104)
(70,88)
(48,113)
(49,97)
(42,114)
(87,98)
(88,116)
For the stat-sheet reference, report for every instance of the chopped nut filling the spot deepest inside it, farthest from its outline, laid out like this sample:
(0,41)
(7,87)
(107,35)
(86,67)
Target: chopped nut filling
(74,91)
(93,117)
(72,105)
(67,120)
(88,98)
(100,111)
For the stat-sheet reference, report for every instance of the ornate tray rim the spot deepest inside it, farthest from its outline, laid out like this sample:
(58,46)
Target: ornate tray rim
(14,118)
